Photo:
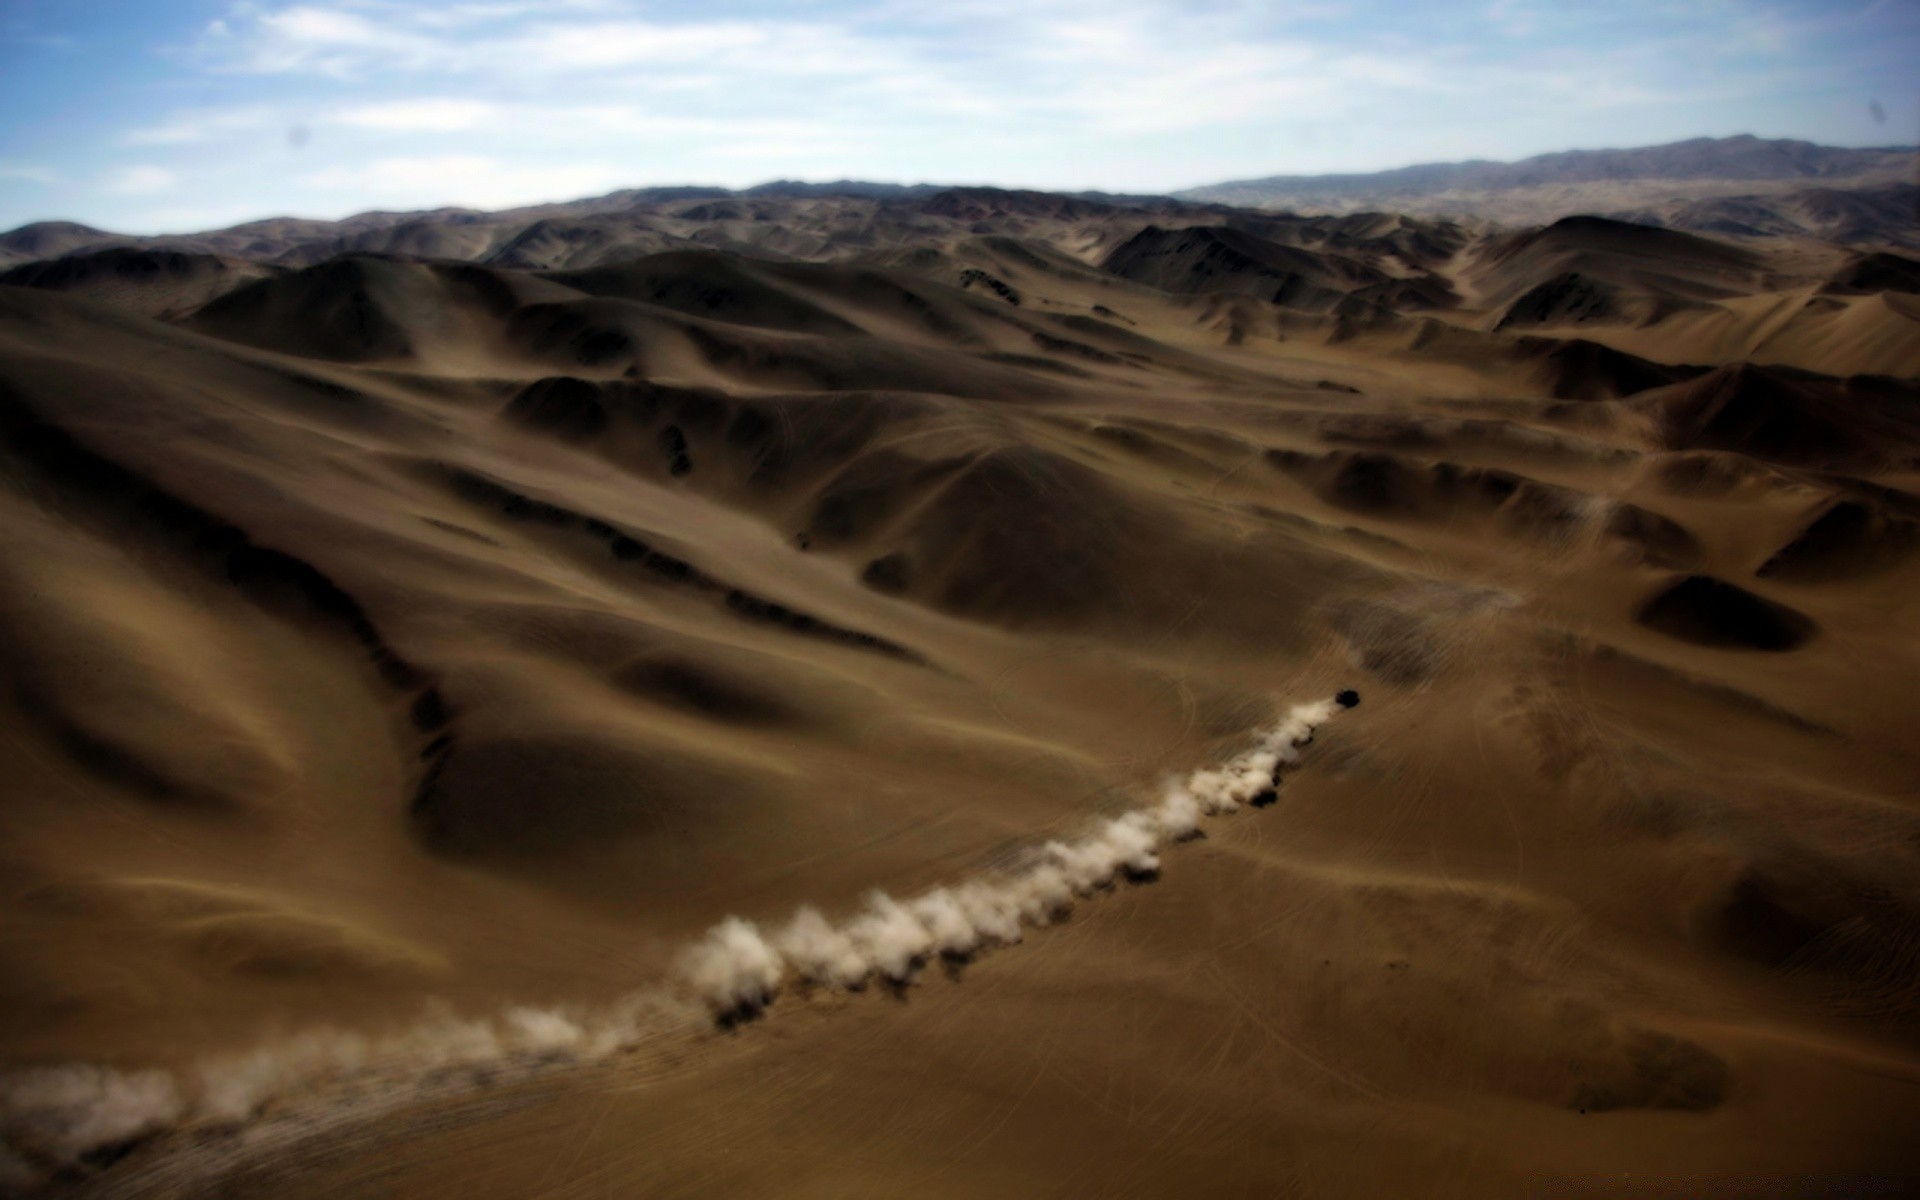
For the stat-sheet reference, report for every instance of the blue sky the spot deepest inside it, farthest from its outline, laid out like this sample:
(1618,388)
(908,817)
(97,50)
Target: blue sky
(167,115)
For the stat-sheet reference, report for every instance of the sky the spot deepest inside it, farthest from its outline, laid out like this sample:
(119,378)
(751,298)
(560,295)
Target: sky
(150,116)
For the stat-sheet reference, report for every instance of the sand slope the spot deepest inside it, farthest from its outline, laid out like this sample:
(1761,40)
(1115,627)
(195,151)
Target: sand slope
(388,629)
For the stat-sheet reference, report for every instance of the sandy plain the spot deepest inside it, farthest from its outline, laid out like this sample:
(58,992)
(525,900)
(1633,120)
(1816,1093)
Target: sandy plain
(431,646)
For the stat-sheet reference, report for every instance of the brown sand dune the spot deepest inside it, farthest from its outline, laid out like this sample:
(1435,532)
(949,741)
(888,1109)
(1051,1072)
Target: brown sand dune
(1846,539)
(707,284)
(409,652)
(157,283)
(1201,259)
(52,239)
(1576,369)
(1782,415)
(1876,273)
(1604,258)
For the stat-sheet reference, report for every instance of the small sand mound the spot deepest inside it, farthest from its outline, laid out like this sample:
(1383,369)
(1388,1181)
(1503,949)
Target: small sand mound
(345,309)
(1656,540)
(708,689)
(1146,446)
(876,491)
(1566,299)
(1396,487)
(560,405)
(1789,415)
(1577,369)
(232,931)
(1711,612)
(1648,1068)
(1849,539)
(1023,535)
(158,283)
(541,792)
(717,287)
(296,946)
(1880,272)
(845,364)
(1209,259)
(582,334)
(1800,911)
(1658,265)
(1712,473)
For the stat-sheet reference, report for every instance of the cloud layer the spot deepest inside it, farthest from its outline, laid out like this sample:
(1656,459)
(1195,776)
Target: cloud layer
(325,107)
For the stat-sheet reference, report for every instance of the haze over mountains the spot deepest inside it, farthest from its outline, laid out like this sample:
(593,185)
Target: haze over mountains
(419,628)
(1741,186)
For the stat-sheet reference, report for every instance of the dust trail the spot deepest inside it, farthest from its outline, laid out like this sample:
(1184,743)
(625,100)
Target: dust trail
(66,1123)
(737,970)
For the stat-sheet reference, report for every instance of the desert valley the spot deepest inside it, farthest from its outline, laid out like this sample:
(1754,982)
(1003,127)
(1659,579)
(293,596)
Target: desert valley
(420,630)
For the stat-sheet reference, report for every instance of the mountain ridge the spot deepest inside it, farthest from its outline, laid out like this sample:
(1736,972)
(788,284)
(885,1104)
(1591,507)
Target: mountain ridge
(1742,157)
(1745,185)
(1742,186)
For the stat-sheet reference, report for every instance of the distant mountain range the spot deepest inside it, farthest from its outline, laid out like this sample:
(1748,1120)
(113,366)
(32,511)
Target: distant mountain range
(1744,186)
(1743,159)
(1738,186)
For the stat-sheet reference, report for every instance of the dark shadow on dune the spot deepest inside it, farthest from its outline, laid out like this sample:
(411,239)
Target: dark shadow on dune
(1700,690)
(104,491)
(1851,539)
(1579,370)
(271,578)
(560,405)
(114,763)
(625,548)
(1656,540)
(1658,1071)
(673,443)
(561,332)
(1851,938)
(1711,612)
(1786,415)
(703,688)
(348,309)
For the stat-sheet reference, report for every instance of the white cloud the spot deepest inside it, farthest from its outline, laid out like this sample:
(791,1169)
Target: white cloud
(612,44)
(1087,68)
(201,125)
(1513,18)
(141,181)
(541,124)
(877,85)
(543,42)
(317,40)
(415,104)
(324,27)
(469,180)
(455,16)
(429,115)
(27,173)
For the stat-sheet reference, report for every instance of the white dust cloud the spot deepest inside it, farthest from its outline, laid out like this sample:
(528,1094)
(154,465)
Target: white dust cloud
(56,1120)
(736,970)
(62,1119)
